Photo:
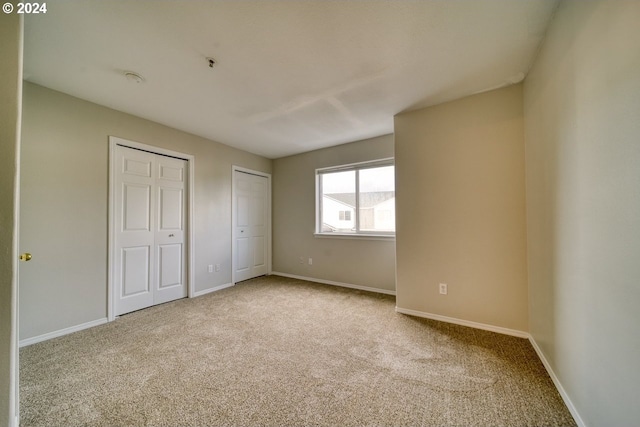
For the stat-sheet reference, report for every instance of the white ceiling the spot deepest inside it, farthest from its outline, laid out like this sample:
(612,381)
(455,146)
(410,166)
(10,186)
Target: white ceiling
(291,76)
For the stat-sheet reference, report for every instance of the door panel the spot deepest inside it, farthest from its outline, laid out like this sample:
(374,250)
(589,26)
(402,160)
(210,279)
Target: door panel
(170,261)
(136,207)
(259,203)
(242,260)
(259,258)
(140,167)
(135,271)
(134,200)
(170,235)
(250,228)
(171,209)
(171,173)
(243,210)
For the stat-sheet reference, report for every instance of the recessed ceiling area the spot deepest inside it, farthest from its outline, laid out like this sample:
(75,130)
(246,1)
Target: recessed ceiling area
(289,76)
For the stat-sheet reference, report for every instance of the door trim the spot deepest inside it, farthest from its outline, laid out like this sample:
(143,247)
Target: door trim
(235,169)
(190,262)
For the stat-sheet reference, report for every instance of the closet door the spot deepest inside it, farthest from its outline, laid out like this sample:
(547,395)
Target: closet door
(170,274)
(250,225)
(149,230)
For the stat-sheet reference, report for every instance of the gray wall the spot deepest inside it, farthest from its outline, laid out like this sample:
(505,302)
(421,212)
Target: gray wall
(10,86)
(368,263)
(582,120)
(64,205)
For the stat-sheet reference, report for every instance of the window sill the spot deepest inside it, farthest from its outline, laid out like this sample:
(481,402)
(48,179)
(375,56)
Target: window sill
(387,237)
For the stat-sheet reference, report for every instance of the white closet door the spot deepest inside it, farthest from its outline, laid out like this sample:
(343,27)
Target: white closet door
(134,232)
(251,222)
(150,229)
(170,230)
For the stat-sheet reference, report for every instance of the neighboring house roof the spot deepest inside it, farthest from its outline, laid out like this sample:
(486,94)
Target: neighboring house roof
(346,203)
(327,227)
(367,200)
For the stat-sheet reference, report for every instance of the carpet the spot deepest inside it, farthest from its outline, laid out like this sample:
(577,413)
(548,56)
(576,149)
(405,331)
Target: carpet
(275,351)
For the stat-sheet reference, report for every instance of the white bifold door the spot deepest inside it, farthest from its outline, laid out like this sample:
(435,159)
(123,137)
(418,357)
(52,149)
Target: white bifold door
(251,217)
(149,235)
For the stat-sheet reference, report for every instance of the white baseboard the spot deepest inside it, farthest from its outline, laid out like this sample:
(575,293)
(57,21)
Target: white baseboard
(331,282)
(215,288)
(483,326)
(558,384)
(62,332)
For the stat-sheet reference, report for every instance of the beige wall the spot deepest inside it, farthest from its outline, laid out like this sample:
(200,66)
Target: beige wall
(582,120)
(64,205)
(461,209)
(368,263)
(10,87)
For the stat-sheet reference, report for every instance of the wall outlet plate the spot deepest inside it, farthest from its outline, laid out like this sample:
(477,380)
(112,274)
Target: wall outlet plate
(443,288)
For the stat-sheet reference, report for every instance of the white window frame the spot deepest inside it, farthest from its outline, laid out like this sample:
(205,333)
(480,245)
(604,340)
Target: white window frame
(358,234)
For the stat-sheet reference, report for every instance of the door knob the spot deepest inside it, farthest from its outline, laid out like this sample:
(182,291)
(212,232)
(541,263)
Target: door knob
(25,256)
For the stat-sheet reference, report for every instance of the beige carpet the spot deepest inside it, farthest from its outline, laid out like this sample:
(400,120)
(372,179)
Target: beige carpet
(283,352)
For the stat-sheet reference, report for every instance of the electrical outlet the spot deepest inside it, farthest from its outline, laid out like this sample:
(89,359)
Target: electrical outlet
(210,268)
(217,267)
(443,288)
(301,260)
(310,261)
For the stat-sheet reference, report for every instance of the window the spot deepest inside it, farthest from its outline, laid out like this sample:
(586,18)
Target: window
(356,199)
